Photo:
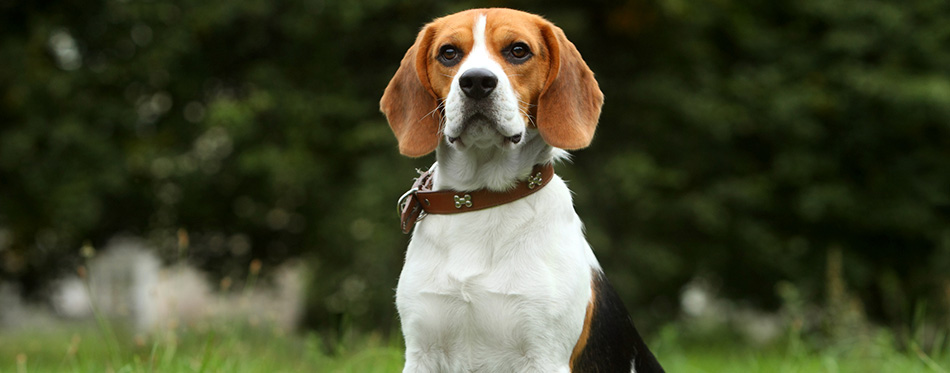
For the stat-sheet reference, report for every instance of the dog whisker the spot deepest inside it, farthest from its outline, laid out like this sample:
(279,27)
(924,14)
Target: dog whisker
(530,118)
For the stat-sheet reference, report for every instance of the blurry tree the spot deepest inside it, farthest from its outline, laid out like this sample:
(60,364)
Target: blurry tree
(743,140)
(739,141)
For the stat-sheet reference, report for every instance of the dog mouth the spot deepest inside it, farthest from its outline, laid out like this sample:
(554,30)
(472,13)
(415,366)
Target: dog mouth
(514,139)
(480,119)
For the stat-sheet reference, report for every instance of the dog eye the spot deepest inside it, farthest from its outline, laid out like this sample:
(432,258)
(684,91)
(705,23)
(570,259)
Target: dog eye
(448,52)
(449,55)
(518,53)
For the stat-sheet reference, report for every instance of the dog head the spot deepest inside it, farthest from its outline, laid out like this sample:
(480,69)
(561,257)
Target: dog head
(491,79)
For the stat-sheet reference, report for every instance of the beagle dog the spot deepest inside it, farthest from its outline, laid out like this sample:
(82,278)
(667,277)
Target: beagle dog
(499,276)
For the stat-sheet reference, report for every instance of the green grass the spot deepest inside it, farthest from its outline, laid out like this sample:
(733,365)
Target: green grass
(875,353)
(236,348)
(243,348)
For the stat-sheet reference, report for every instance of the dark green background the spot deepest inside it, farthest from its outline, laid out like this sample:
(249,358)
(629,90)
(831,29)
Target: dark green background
(741,141)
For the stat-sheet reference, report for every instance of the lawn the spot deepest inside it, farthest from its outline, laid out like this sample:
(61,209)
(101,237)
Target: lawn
(236,348)
(245,348)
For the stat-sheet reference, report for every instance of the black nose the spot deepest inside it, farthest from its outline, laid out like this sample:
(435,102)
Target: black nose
(478,83)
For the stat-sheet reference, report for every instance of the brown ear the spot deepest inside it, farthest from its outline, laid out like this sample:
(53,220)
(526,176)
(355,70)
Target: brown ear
(409,103)
(569,106)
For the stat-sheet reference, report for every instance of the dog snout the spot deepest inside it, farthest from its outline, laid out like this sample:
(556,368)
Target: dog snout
(478,83)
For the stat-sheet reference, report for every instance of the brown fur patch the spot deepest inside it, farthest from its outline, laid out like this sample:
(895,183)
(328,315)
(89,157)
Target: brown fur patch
(585,332)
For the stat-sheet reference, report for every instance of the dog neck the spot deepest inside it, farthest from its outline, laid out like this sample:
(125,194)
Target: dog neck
(493,168)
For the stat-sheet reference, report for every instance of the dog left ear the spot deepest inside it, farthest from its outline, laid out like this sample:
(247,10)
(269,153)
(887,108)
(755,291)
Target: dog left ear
(569,105)
(409,103)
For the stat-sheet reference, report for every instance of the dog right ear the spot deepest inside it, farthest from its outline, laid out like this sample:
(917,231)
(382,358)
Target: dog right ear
(409,102)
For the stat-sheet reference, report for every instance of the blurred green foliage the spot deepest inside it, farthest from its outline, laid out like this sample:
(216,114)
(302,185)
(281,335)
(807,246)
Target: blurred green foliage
(740,141)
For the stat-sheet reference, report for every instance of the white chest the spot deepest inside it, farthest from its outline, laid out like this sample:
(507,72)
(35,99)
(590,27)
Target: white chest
(497,289)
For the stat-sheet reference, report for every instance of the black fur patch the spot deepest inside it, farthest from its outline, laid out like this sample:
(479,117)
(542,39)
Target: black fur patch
(613,342)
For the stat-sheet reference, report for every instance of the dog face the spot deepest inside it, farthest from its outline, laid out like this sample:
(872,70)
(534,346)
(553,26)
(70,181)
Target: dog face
(491,78)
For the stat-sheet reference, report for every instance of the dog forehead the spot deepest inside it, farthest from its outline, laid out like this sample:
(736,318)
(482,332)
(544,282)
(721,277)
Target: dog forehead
(455,30)
(501,25)
(512,21)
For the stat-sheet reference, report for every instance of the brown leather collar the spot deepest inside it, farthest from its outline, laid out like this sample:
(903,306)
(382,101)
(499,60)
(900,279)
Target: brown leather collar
(421,198)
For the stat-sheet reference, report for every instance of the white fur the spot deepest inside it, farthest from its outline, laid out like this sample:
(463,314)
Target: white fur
(498,290)
(503,289)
